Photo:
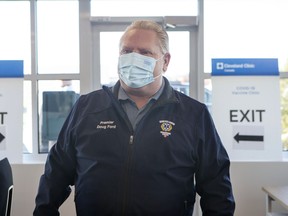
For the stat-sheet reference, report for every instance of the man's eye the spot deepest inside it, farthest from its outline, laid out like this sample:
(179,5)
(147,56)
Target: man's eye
(146,53)
(125,51)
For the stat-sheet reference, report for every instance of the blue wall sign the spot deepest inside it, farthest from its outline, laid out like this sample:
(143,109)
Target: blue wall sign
(11,68)
(245,67)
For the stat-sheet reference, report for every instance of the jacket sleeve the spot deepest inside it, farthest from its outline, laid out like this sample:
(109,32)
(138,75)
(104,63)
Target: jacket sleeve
(213,176)
(59,173)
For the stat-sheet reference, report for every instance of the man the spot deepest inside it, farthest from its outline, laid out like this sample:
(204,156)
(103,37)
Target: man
(137,148)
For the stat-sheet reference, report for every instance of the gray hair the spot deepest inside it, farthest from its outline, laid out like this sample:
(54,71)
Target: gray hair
(151,25)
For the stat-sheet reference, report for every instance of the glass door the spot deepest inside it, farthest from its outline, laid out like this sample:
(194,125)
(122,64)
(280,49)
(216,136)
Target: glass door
(182,33)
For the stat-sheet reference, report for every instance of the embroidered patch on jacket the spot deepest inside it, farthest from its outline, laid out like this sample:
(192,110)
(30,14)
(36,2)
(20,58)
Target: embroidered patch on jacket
(106,125)
(166,127)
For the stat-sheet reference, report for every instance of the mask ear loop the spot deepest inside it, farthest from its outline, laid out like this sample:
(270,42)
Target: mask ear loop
(160,57)
(161,74)
(156,77)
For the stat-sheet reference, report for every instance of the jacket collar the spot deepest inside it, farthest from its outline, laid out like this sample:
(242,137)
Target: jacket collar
(168,94)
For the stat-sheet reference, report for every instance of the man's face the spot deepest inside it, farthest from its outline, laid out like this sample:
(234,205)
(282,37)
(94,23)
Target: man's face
(145,42)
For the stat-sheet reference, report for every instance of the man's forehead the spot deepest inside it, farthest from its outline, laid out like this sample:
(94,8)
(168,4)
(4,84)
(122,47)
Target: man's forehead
(143,34)
(140,38)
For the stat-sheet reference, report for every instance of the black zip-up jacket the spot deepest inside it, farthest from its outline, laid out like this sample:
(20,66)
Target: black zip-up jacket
(156,170)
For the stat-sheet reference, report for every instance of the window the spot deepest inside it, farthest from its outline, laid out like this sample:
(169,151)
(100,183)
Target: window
(15,32)
(54,82)
(15,45)
(58,37)
(249,29)
(57,54)
(284,112)
(55,100)
(144,8)
(233,30)
(45,34)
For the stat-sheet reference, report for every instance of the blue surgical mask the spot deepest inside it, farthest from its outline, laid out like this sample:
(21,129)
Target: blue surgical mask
(136,70)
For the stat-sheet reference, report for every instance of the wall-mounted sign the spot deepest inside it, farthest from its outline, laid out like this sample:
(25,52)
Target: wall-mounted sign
(245,67)
(11,110)
(246,107)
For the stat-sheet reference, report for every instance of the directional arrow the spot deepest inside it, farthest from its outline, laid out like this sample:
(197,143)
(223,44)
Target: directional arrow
(2,137)
(255,138)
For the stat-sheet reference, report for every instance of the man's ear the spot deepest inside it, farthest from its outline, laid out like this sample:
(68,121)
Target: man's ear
(167,57)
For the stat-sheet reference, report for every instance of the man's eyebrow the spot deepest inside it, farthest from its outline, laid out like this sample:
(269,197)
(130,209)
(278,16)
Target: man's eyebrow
(146,50)
(125,47)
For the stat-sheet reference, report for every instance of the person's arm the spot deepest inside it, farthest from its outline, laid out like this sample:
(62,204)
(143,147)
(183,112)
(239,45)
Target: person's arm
(212,177)
(59,174)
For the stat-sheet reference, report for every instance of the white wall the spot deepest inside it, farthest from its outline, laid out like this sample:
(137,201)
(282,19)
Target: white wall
(247,179)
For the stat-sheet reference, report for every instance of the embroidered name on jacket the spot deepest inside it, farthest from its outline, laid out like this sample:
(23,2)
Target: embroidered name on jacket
(166,127)
(106,125)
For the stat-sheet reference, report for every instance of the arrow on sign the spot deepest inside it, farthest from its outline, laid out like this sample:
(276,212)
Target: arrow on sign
(255,138)
(2,137)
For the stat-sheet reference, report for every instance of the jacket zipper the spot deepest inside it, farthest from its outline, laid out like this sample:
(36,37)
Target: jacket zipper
(127,175)
(130,147)
(131,139)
